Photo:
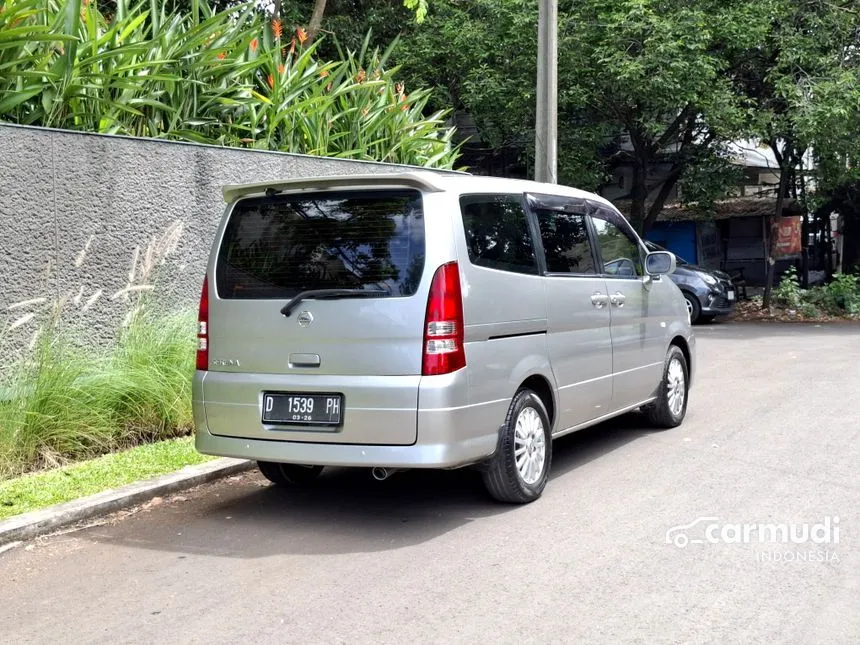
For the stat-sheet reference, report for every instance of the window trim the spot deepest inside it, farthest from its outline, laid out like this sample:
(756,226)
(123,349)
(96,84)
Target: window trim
(560,204)
(538,270)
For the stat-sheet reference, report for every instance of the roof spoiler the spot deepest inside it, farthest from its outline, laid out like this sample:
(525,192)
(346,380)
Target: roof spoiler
(426,181)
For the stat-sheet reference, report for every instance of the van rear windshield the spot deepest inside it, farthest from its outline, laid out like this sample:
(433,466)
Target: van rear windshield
(276,247)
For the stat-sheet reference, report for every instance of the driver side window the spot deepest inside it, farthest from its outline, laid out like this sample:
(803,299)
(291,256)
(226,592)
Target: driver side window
(622,255)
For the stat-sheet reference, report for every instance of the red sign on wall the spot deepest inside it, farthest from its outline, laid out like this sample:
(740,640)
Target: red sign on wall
(787,231)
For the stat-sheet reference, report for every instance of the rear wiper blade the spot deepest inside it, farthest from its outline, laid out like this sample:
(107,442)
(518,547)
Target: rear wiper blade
(322,294)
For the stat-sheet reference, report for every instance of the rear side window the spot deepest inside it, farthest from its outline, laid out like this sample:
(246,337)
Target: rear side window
(497,233)
(276,247)
(566,243)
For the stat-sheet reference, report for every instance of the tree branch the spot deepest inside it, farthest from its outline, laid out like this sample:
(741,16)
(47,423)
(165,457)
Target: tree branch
(673,128)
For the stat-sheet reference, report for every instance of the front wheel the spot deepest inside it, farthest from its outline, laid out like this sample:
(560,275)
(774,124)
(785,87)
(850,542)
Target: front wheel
(289,474)
(694,307)
(518,472)
(670,408)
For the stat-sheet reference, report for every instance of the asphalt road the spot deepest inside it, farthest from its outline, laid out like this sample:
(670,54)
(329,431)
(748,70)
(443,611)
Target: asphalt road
(771,437)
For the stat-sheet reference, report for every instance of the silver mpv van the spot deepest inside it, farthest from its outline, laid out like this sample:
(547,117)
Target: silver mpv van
(424,320)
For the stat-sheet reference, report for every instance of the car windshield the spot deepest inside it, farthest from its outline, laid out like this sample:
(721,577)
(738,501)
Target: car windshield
(656,247)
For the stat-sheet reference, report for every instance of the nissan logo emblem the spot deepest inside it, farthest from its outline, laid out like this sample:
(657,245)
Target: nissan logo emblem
(305,318)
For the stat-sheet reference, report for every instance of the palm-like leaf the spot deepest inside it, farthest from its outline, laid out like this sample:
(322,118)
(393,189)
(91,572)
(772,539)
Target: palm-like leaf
(209,77)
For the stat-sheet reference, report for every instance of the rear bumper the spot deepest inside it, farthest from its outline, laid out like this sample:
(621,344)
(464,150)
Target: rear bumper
(426,455)
(449,433)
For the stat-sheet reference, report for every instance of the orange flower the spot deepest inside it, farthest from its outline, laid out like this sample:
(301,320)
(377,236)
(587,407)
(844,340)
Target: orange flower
(281,68)
(222,55)
(292,46)
(361,76)
(271,80)
(324,73)
(404,107)
(277,28)
(302,35)
(254,44)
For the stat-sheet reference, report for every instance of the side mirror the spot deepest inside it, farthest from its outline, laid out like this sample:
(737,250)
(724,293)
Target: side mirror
(660,263)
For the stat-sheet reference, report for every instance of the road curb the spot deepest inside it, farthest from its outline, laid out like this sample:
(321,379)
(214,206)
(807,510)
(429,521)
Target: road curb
(29,525)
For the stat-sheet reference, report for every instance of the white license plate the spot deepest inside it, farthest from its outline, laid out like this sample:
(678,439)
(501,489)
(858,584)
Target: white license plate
(731,296)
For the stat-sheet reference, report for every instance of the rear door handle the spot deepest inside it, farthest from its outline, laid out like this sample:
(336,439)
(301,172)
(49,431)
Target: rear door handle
(617,299)
(599,299)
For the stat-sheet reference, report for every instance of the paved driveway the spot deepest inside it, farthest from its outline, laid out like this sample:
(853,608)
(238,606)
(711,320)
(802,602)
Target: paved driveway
(771,437)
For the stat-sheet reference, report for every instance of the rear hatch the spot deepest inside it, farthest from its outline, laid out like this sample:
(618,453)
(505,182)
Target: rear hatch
(341,364)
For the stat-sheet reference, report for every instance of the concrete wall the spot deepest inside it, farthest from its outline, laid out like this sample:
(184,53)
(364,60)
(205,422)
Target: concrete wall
(86,217)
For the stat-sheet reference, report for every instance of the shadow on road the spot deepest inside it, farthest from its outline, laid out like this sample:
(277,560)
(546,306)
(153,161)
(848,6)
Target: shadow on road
(345,511)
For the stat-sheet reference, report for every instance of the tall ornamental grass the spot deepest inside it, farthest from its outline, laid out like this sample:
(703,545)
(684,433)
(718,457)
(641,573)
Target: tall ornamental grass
(63,403)
(220,77)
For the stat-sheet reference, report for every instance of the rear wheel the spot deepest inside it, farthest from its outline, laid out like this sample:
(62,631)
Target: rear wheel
(518,471)
(288,474)
(670,408)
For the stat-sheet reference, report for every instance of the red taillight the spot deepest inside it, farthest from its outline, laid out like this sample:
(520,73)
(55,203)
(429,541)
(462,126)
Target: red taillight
(443,325)
(203,328)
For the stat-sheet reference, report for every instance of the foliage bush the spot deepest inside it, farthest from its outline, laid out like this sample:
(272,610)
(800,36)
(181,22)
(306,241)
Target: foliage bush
(788,291)
(838,298)
(66,403)
(219,77)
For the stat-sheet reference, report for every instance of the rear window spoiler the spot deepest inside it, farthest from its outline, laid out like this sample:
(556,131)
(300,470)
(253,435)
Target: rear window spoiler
(425,181)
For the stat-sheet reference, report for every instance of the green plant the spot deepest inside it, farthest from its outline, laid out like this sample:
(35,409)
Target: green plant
(66,403)
(151,368)
(843,293)
(223,77)
(788,293)
(38,490)
(809,310)
(54,409)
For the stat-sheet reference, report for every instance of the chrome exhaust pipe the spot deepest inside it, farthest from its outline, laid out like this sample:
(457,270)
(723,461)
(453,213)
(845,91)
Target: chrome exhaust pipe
(381,474)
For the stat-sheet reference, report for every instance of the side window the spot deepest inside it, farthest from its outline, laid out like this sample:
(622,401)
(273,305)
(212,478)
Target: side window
(620,253)
(497,233)
(565,242)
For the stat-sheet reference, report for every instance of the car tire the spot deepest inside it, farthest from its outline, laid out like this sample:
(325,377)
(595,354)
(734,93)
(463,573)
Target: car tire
(289,474)
(518,471)
(694,307)
(668,410)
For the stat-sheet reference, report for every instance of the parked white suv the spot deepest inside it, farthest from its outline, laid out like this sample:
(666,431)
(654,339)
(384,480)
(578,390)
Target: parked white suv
(422,320)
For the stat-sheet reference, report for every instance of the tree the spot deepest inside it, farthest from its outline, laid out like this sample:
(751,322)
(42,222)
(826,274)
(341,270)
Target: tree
(641,82)
(800,81)
(654,73)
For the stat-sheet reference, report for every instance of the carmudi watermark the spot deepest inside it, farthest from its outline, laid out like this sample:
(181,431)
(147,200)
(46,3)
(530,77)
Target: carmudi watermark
(786,541)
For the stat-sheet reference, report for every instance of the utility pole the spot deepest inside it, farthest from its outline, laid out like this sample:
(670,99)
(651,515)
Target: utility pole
(546,123)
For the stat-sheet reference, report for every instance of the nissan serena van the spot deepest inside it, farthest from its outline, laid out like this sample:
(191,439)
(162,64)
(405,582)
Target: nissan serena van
(424,320)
